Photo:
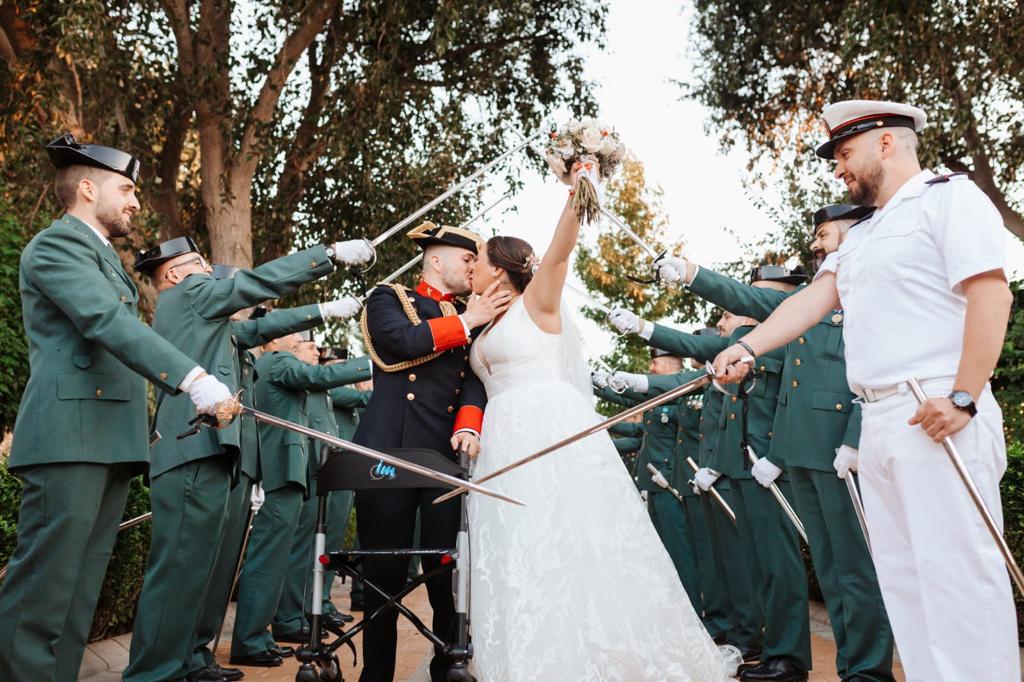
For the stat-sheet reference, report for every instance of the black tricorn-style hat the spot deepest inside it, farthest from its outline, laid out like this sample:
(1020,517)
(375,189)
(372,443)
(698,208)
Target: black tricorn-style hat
(65,151)
(147,261)
(853,117)
(839,212)
(221,271)
(778,273)
(329,353)
(707,331)
(428,234)
(662,353)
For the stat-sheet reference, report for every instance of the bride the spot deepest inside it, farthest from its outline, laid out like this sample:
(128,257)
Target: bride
(575,585)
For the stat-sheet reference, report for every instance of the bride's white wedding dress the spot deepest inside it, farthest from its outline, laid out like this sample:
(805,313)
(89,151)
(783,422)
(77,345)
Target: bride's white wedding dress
(576,585)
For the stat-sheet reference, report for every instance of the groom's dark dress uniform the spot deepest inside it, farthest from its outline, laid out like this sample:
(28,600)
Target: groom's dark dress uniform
(424,391)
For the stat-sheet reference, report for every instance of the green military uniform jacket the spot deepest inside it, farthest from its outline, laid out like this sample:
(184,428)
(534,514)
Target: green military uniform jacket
(282,382)
(248,334)
(816,412)
(348,402)
(319,416)
(658,431)
(688,426)
(195,317)
(85,400)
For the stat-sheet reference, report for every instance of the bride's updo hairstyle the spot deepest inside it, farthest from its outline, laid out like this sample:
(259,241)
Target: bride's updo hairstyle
(515,256)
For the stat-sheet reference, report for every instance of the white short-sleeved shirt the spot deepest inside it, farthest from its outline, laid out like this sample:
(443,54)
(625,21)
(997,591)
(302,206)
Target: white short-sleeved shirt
(899,273)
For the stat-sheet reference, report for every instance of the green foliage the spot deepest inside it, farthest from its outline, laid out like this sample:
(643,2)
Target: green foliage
(14,358)
(1008,382)
(1011,489)
(115,611)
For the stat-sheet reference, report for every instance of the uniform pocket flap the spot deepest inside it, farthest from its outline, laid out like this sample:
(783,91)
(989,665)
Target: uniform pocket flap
(226,370)
(832,401)
(770,365)
(83,361)
(77,386)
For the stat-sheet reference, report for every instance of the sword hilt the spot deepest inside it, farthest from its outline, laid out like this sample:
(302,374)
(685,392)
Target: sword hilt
(197,423)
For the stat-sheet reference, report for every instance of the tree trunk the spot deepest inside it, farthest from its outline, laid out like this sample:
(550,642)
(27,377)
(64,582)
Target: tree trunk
(229,222)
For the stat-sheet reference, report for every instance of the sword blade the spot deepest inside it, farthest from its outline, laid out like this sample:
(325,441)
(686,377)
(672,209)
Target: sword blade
(445,479)
(715,495)
(858,507)
(587,299)
(633,236)
(665,397)
(976,498)
(781,499)
(447,193)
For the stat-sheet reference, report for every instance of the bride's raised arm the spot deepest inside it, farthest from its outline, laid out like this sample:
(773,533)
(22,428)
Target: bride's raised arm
(543,295)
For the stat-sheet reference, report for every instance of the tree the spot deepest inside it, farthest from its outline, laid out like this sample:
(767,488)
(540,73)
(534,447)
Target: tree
(606,261)
(769,69)
(289,120)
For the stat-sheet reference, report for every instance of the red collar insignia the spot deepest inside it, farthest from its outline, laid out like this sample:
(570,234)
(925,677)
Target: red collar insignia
(424,289)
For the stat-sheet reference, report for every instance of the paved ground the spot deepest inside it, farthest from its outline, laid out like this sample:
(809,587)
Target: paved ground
(105,660)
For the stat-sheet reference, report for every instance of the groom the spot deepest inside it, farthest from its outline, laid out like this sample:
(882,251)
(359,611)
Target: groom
(425,396)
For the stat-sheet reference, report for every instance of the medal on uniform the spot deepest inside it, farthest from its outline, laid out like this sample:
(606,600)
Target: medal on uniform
(664,417)
(837,317)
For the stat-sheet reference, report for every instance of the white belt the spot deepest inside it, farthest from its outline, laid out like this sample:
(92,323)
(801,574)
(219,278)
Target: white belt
(873,395)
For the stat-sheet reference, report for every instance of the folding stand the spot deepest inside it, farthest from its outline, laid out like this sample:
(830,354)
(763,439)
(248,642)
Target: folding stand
(318,659)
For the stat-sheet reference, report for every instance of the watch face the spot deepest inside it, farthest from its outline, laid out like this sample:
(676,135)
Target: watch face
(961,398)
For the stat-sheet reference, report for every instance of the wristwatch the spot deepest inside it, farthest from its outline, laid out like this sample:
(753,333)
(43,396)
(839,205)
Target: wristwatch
(962,400)
(329,250)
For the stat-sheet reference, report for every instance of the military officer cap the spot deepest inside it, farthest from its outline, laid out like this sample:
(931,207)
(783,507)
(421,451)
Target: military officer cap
(856,116)
(147,261)
(65,151)
(661,353)
(839,212)
(329,353)
(221,271)
(777,273)
(707,331)
(428,234)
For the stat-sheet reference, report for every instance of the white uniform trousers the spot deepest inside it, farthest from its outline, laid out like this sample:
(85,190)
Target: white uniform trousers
(942,577)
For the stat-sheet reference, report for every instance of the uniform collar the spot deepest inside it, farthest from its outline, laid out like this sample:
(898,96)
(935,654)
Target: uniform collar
(910,189)
(424,289)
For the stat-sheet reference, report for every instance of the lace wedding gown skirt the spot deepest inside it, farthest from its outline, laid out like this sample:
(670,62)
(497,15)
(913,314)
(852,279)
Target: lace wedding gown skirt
(575,585)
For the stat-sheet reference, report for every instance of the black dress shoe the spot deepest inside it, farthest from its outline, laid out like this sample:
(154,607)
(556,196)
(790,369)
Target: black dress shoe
(336,619)
(282,651)
(260,659)
(749,653)
(775,670)
(229,674)
(209,673)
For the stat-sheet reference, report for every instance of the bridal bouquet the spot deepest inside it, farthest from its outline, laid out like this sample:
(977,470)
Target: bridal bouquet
(592,144)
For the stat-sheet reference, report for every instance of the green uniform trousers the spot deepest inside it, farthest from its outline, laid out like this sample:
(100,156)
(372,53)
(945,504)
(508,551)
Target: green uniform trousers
(714,611)
(189,505)
(219,591)
(67,528)
(669,520)
(737,575)
(864,639)
(266,567)
(771,543)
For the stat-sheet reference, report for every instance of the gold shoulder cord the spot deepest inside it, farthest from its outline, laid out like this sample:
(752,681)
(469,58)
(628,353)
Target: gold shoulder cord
(447,309)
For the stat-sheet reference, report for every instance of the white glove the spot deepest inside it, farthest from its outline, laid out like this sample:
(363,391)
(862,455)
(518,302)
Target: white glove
(257,497)
(341,309)
(765,472)
(671,270)
(599,379)
(845,461)
(628,322)
(620,381)
(206,392)
(353,252)
(705,478)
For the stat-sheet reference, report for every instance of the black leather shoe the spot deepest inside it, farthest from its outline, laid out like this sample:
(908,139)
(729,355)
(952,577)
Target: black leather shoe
(336,619)
(749,653)
(260,659)
(282,651)
(775,670)
(229,674)
(210,673)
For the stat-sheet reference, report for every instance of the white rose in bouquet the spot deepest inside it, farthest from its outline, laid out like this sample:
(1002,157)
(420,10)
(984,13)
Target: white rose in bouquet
(574,126)
(594,144)
(591,139)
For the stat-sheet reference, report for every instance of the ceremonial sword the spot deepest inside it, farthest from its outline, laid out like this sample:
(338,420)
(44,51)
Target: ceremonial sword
(659,480)
(781,499)
(979,502)
(858,508)
(715,495)
(449,192)
(667,396)
(398,463)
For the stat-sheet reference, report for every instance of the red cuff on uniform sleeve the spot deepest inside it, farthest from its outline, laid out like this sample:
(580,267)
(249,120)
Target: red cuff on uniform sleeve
(448,332)
(469,417)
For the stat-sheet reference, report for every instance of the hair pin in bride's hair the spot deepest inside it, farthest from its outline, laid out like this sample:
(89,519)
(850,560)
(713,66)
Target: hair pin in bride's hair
(531,263)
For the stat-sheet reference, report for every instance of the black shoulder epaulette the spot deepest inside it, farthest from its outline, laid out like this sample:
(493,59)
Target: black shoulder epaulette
(943,178)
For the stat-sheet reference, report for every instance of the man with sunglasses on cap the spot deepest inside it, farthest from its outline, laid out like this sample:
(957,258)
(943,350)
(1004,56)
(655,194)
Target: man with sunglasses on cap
(767,536)
(815,439)
(81,433)
(924,292)
(190,478)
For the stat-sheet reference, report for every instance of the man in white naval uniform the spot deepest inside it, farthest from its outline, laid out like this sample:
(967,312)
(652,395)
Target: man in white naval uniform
(925,293)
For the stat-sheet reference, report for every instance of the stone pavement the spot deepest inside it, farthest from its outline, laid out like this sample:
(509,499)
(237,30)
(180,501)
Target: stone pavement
(105,660)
